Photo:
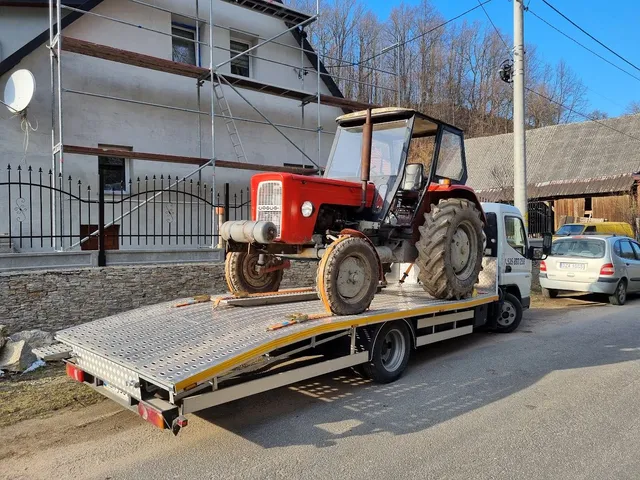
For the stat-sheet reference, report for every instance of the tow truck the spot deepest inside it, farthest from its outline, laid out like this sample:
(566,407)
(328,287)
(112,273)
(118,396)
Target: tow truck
(166,361)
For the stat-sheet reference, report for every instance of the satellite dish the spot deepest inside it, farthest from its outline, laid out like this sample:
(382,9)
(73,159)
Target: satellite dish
(19,90)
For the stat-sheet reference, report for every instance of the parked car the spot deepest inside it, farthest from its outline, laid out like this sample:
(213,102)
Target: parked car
(595,228)
(594,263)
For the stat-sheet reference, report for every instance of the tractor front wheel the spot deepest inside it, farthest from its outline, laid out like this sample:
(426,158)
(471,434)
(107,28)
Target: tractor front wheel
(242,274)
(348,276)
(450,249)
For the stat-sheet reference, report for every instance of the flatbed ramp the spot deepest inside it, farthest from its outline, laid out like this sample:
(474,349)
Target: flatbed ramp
(164,361)
(178,347)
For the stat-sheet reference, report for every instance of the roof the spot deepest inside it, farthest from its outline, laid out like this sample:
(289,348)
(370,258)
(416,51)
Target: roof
(575,159)
(86,5)
(424,125)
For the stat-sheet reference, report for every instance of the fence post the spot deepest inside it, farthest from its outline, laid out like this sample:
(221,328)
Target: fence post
(226,202)
(102,258)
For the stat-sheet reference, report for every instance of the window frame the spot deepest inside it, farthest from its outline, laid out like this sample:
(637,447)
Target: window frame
(233,53)
(635,246)
(196,46)
(523,230)
(127,168)
(620,255)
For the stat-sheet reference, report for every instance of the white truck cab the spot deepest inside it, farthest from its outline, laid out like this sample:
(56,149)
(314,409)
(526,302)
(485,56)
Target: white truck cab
(507,240)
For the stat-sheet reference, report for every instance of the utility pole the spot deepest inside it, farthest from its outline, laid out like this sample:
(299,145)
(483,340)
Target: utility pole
(519,148)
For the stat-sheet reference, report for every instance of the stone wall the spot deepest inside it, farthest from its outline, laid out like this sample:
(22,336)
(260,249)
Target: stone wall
(56,299)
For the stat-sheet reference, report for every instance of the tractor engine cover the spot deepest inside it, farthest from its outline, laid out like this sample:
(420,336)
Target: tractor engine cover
(247,231)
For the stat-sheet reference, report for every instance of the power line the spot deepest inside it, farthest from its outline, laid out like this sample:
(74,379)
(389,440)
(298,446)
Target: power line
(582,45)
(400,44)
(583,115)
(493,25)
(589,35)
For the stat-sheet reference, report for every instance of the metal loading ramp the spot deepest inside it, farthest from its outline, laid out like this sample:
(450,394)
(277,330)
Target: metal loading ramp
(176,348)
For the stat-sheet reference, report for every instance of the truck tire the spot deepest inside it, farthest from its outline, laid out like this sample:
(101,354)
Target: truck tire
(390,353)
(241,275)
(510,315)
(549,292)
(450,249)
(619,297)
(348,276)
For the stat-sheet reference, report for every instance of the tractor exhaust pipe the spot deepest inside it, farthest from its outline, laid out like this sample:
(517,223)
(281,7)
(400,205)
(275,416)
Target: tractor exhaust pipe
(365,166)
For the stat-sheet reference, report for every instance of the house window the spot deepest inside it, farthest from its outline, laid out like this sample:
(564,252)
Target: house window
(241,65)
(183,44)
(115,171)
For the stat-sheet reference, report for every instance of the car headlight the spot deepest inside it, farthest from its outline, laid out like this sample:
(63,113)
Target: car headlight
(306,209)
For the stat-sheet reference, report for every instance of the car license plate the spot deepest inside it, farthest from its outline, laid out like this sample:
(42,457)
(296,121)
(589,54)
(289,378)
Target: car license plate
(573,266)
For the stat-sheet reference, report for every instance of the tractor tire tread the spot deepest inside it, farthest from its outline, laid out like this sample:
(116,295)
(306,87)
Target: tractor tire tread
(436,277)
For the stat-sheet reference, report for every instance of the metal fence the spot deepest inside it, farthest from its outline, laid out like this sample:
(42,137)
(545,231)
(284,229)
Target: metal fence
(40,212)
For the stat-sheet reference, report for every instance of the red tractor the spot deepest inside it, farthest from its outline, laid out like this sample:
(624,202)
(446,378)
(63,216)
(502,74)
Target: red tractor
(371,208)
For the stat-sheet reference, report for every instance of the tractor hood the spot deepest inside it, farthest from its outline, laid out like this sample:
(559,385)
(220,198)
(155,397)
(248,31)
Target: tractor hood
(278,198)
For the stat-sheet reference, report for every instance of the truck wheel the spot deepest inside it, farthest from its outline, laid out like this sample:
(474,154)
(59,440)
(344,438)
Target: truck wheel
(510,314)
(450,249)
(390,353)
(620,295)
(549,292)
(241,275)
(348,276)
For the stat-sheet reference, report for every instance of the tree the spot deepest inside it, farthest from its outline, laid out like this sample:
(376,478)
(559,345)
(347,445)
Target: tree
(633,108)
(598,115)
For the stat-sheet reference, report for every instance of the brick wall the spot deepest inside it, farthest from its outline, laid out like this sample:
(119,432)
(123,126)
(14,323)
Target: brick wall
(56,299)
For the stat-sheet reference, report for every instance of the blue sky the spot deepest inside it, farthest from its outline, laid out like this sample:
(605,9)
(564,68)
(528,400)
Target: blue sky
(610,90)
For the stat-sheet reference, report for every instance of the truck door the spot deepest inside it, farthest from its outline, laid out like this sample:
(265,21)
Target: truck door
(515,268)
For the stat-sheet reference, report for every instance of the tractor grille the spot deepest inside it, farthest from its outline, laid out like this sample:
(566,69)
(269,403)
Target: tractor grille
(269,207)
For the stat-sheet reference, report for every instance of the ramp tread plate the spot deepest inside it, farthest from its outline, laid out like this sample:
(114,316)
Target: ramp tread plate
(168,345)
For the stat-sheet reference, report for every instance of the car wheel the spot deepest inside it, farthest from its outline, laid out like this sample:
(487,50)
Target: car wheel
(510,314)
(549,293)
(620,295)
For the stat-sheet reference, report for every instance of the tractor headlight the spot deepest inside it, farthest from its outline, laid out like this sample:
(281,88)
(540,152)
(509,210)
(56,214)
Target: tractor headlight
(306,209)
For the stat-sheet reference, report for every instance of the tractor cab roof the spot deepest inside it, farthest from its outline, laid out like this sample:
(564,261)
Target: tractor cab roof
(423,126)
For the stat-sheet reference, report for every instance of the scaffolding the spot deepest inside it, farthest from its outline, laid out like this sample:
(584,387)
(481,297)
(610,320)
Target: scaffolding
(295,22)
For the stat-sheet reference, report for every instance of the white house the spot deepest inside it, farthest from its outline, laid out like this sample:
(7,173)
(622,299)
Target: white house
(99,122)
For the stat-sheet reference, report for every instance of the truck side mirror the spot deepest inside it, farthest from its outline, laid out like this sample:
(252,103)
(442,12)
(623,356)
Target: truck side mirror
(547,240)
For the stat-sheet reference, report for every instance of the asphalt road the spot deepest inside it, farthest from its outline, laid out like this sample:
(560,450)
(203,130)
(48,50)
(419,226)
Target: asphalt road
(560,398)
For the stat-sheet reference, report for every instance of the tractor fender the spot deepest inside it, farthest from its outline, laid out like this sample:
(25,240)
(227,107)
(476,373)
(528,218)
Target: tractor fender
(349,232)
(438,192)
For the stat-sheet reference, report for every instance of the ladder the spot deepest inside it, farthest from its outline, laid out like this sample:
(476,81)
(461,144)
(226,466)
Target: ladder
(229,122)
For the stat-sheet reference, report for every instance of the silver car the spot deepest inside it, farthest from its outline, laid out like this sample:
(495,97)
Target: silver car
(595,263)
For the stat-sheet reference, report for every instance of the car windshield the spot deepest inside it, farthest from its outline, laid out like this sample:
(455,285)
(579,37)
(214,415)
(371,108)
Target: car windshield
(387,156)
(570,230)
(578,247)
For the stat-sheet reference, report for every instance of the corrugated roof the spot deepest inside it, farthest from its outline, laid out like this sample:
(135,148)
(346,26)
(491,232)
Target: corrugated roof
(562,160)
(564,188)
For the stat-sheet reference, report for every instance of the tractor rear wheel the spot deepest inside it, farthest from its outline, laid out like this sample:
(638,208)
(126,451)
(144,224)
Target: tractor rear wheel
(348,276)
(450,249)
(240,270)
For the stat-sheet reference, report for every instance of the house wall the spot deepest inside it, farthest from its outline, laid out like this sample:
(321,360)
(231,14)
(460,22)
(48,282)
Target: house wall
(617,208)
(18,26)
(92,121)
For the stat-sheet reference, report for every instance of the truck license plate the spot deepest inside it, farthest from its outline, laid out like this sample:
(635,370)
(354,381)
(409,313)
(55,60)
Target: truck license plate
(573,266)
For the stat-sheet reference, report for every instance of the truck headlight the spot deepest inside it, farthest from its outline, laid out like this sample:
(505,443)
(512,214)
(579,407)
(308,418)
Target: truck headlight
(306,209)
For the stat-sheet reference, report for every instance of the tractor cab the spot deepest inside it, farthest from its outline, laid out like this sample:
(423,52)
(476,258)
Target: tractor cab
(408,151)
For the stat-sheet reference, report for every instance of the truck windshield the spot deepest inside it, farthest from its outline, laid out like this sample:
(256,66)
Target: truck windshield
(570,230)
(387,158)
(584,248)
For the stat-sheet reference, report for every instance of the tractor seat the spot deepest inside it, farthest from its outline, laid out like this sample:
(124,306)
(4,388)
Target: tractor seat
(412,181)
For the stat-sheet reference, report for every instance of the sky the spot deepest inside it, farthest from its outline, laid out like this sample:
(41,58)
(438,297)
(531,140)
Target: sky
(609,89)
